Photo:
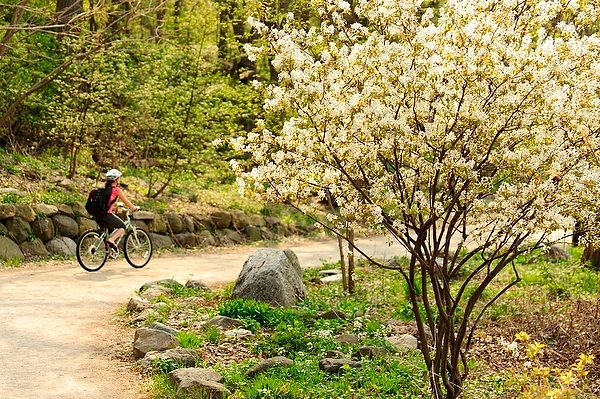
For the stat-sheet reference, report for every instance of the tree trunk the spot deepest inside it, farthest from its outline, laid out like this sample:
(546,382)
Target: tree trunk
(66,10)
(591,256)
(12,29)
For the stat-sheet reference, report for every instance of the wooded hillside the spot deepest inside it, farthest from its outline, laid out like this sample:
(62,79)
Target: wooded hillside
(145,84)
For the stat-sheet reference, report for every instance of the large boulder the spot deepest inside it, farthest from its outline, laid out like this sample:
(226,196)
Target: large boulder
(18,229)
(157,225)
(149,339)
(34,248)
(45,210)
(175,222)
(65,225)
(61,246)
(239,220)
(25,211)
(85,224)
(9,250)
(7,211)
(221,219)
(271,275)
(160,241)
(198,383)
(43,229)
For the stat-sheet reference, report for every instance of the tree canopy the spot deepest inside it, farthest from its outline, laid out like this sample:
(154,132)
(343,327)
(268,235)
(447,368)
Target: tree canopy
(477,120)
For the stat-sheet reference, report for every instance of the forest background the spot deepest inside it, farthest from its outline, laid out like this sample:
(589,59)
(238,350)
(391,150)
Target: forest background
(149,85)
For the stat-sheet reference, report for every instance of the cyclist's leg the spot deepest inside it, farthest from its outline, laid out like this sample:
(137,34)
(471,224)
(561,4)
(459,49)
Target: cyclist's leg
(114,223)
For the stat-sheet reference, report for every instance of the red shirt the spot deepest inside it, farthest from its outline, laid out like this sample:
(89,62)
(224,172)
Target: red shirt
(113,198)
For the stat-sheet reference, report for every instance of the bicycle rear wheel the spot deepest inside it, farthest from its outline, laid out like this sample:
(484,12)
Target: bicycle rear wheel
(91,251)
(138,248)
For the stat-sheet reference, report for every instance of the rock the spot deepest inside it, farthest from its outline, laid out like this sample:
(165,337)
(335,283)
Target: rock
(61,246)
(333,354)
(403,342)
(25,212)
(224,322)
(257,220)
(43,229)
(148,339)
(400,328)
(84,224)
(238,334)
(197,284)
(66,210)
(347,339)
(160,241)
(188,223)
(185,357)
(272,221)
(197,382)
(267,234)
(9,249)
(556,253)
(202,223)
(34,248)
(174,221)
(162,327)
(137,304)
(155,291)
(7,211)
(271,275)
(79,210)
(371,352)
(18,229)
(332,315)
(238,219)
(233,236)
(266,364)
(329,272)
(143,215)
(161,283)
(334,278)
(220,219)
(65,225)
(333,366)
(187,240)
(157,225)
(253,233)
(44,210)
(205,239)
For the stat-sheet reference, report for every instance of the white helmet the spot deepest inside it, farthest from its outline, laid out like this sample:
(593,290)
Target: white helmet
(113,174)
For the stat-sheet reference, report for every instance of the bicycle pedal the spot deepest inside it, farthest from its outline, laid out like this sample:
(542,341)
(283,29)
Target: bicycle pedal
(113,254)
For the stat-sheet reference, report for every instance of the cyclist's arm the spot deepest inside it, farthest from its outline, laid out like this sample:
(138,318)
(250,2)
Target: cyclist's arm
(129,204)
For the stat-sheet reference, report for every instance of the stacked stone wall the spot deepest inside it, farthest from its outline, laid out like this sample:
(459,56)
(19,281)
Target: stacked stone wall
(30,231)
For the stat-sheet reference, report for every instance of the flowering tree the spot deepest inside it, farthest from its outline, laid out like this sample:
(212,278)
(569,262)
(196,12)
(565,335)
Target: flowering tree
(476,122)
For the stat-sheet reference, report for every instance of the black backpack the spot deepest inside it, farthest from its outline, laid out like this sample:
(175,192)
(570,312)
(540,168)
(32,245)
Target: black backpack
(98,202)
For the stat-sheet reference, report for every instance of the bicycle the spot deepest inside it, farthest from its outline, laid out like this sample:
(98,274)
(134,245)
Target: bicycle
(93,250)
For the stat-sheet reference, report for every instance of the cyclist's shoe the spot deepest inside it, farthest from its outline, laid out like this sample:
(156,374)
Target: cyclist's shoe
(112,245)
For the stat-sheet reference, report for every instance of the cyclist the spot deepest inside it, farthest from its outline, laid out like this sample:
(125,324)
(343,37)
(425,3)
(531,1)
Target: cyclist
(113,221)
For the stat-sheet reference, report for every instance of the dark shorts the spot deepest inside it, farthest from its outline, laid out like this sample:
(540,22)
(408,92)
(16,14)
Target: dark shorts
(112,221)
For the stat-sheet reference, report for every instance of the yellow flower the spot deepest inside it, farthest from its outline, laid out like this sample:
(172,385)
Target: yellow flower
(555,393)
(522,336)
(566,378)
(586,359)
(533,350)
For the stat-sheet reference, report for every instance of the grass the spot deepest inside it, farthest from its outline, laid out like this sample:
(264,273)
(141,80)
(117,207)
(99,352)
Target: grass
(548,288)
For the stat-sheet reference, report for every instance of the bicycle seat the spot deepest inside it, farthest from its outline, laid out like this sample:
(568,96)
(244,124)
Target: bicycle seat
(102,224)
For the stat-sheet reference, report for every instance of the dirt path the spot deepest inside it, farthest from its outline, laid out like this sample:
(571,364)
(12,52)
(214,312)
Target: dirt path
(57,338)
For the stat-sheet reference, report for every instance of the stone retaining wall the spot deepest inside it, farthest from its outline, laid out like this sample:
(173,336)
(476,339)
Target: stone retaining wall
(40,230)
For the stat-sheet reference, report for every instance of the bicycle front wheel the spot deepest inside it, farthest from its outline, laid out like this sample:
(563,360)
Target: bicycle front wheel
(91,251)
(138,248)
